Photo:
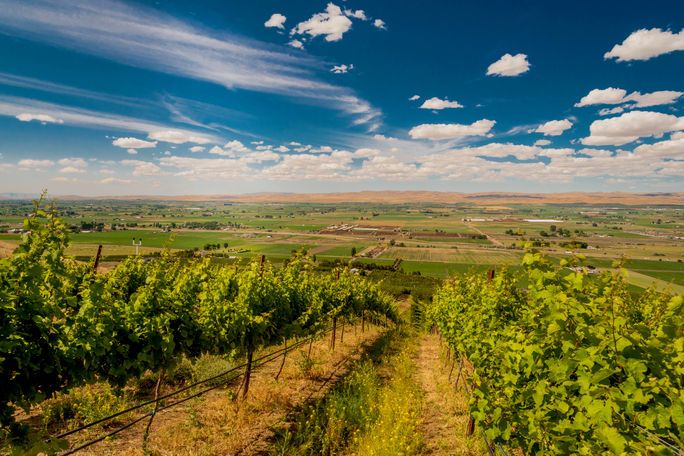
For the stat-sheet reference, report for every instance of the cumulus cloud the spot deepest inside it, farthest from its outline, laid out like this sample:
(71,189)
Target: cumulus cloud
(358,14)
(414,98)
(143,168)
(384,138)
(177,137)
(332,24)
(282,149)
(339,69)
(436,103)
(612,95)
(29,164)
(296,44)
(542,142)
(133,143)
(509,65)
(661,97)
(196,149)
(447,131)
(631,126)
(115,180)
(645,44)
(42,118)
(76,162)
(379,23)
(236,146)
(216,150)
(277,20)
(554,127)
(609,111)
(72,170)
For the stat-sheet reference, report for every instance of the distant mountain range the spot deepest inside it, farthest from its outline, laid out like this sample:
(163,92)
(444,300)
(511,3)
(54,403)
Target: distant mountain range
(496,198)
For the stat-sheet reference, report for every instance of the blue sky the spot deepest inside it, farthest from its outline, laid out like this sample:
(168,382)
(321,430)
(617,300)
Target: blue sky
(207,97)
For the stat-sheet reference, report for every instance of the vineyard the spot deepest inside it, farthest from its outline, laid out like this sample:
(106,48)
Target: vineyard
(569,365)
(566,364)
(64,325)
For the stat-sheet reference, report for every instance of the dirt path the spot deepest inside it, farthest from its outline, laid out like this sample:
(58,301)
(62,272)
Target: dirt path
(492,240)
(444,413)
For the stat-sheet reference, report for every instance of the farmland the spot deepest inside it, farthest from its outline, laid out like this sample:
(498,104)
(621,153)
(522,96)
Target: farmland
(431,238)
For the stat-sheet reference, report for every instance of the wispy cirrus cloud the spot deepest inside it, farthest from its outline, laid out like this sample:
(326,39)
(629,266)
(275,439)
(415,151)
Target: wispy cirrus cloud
(150,39)
(69,115)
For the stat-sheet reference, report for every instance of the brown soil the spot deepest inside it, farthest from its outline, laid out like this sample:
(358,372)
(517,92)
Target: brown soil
(217,424)
(445,415)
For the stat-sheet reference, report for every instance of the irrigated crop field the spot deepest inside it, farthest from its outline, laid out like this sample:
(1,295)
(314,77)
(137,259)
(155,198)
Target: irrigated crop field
(433,239)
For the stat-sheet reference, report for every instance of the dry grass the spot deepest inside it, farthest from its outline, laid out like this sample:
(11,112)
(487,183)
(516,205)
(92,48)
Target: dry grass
(217,424)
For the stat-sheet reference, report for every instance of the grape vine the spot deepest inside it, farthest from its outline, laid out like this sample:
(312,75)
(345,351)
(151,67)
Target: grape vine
(571,364)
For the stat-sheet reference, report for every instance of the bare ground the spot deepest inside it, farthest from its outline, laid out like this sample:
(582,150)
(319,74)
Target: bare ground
(445,415)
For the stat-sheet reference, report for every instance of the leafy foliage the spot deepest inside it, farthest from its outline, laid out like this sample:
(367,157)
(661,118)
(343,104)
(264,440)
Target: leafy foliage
(570,365)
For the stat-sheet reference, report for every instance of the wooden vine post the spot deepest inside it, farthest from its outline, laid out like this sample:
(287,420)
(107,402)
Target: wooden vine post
(250,348)
(334,323)
(363,320)
(146,435)
(283,362)
(97,258)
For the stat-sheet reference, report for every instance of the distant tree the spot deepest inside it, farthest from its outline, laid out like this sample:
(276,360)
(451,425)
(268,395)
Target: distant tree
(392,242)
(225,245)
(553,228)
(353,251)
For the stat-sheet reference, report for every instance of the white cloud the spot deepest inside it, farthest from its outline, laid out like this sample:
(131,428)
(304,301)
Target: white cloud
(446,131)
(436,103)
(196,149)
(115,180)
(10,106)
(509,65)
(77,162)
(631,126)
(609,111)
(132,151)
(384,138)
(339,69)
(266,147)
(209,168)
(379,23)
(296,44)
(282,149)
(236,146)
(542,142)
(612,95)
(294,143)
(42,118)
(645,44)
(661,97)
(144,37)
(177,137)
(34,165)
(414,98)
(358,14)
(133,143)
(72,170)
(277,20)
(216,150)
(332,24)
(143,168)
(554,127)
